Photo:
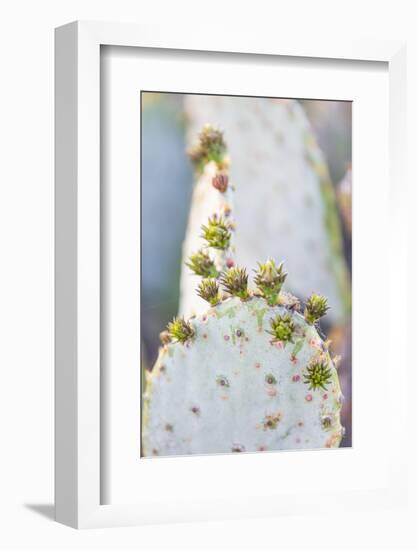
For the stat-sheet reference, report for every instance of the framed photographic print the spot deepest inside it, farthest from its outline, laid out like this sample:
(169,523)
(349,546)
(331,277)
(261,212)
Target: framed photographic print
(227,213)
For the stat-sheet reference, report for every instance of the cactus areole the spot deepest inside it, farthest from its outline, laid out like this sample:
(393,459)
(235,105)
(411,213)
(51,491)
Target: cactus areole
(250,374)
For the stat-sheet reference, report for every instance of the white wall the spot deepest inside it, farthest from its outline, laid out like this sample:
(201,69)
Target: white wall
(26,273)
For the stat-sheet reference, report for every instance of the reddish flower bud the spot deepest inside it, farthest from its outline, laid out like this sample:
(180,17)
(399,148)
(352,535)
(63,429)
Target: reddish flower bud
(220,182)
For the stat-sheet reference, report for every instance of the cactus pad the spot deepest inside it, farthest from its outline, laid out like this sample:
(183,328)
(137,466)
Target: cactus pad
(233,387)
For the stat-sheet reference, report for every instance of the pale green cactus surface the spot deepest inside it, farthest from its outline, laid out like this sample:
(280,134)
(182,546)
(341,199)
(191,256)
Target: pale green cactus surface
(233,388)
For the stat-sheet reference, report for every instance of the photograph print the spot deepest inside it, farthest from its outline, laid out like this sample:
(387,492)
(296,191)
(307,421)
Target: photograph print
(246,237)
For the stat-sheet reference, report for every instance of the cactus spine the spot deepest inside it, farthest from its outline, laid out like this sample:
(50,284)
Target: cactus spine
(251,371)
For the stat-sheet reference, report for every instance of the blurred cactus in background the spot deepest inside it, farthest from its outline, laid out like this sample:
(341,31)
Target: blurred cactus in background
(284,202)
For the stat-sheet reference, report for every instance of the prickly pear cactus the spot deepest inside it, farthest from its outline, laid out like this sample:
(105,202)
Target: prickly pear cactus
(251,372)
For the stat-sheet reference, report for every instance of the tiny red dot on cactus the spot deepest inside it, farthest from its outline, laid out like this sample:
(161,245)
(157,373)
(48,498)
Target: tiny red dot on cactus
(257,365)
(296,378)
(314,343)
(230,262)
(325,396)
(309,397)
(278,344)
(226,337)
(293,359)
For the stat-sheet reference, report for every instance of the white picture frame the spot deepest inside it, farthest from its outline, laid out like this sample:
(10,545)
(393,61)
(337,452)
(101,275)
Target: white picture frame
(78,405)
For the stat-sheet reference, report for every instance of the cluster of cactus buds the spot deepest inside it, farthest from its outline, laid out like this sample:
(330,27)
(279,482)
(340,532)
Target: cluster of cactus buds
(180,330)
(282,328)
(269,280)
(209,291)
(201,264)
(318,374)
(217,233)
(212,203)
(210,147)
(235,282)
(316,307)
